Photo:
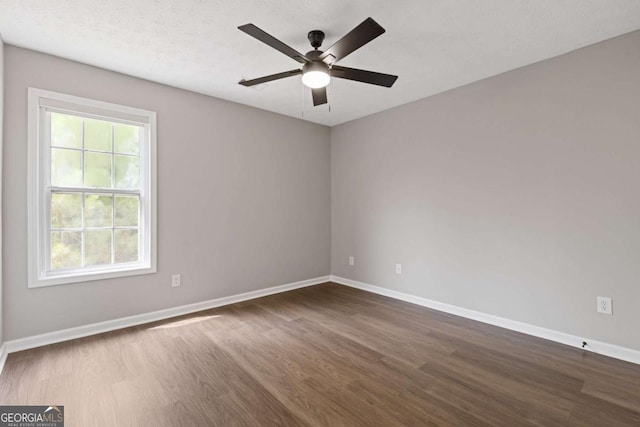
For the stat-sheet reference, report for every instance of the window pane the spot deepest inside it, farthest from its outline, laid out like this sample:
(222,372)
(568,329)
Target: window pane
(66,247)
(127,211)
(97,135)
(66,167)
(126,139)
(127,172)
(66,131)
(66,210)
(97,170)
(126,249)
(98,210)
(97,247)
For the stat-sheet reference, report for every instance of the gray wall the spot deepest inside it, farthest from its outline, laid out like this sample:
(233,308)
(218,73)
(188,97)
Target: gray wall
(243,199)
(517,196)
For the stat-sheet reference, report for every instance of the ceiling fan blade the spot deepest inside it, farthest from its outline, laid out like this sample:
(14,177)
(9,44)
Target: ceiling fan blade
(358,37)
(268,39)
(364,76)
(272,77)
(319,96)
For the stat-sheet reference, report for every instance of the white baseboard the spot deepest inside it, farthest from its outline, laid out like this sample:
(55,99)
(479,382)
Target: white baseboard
(595,346)
(3,356)
(125,322)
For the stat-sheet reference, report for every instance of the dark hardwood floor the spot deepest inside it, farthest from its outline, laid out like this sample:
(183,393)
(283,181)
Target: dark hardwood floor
(327,355)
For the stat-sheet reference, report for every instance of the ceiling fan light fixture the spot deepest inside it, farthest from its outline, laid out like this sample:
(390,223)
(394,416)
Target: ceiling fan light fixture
(315,75)
(315,79)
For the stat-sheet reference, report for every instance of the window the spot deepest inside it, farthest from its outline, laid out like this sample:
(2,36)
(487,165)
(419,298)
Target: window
(92,197)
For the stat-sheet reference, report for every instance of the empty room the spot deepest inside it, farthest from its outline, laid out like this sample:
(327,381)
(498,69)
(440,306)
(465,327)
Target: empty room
(297,213)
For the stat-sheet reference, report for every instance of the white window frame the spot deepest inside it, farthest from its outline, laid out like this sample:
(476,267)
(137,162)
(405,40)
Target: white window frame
(39,187)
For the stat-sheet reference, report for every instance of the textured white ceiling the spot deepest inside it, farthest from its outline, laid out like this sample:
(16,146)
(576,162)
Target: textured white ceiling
(433,45)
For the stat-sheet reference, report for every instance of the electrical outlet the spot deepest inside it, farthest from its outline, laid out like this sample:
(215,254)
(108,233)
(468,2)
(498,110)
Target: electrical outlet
(604,305)
(352,261)
(398,268)
(175,281)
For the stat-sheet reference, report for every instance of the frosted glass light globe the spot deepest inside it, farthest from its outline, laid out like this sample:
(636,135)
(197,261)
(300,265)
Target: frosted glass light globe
(315,79)
(315,74)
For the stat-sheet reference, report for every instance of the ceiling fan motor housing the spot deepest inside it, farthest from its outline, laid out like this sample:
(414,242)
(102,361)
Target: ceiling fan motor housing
(313,55)
(316,37)
(315,66)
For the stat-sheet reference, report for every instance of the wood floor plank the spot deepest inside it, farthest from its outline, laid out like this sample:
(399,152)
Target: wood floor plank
(596,412)
(516,369)
(326,355)
(614,390)
(537,404)
(475,398)
(389,343)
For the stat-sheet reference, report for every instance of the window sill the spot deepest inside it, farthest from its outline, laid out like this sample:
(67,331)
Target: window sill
(53,280)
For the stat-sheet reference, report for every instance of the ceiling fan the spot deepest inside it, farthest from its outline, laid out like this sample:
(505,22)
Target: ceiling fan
(317,66)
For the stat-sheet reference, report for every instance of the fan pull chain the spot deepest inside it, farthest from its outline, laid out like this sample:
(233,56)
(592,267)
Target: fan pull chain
(302,101)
